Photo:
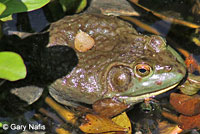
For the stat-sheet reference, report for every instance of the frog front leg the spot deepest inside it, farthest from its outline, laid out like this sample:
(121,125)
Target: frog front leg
(109,107)
(87,122)
(106,107)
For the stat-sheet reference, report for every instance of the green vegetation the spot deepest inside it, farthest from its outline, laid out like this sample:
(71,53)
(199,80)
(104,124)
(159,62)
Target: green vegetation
(8,7)
(12,67)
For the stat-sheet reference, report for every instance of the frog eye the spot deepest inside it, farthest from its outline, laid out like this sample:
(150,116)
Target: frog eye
(142,70)
(119,78)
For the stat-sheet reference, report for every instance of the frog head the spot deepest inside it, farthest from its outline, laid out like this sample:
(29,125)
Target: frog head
(156,68)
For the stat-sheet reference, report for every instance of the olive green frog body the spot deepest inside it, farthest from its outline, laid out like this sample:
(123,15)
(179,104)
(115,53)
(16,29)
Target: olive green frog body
(122,64)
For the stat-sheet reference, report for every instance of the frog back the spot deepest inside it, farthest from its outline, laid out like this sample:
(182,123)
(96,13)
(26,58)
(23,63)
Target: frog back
(113,41)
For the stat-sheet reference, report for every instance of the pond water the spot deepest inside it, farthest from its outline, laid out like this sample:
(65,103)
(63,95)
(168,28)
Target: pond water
(17,112)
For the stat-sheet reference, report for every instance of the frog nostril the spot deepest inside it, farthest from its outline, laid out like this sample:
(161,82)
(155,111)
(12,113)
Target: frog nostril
(168,68)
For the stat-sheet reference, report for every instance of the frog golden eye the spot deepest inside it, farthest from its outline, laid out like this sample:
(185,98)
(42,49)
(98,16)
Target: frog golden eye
(119,78)
(142,70)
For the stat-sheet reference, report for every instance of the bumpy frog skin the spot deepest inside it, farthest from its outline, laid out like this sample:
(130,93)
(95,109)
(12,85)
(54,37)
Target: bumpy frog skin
(122,64)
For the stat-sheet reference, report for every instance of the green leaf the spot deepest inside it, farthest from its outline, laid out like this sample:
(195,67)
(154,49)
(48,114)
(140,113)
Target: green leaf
(12,67)
(6,18)
(81,6)
(2,8)
(16,6)
(73,5)
(35,4)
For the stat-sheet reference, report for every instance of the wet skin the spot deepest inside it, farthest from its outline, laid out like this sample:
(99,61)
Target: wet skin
(122,65)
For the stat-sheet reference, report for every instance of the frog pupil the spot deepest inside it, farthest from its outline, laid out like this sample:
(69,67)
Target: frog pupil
(142,70)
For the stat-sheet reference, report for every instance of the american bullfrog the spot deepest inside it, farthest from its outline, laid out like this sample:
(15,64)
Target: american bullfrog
(122,65)
(122,68)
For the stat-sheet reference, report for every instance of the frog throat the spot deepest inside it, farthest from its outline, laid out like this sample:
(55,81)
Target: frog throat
(139,98)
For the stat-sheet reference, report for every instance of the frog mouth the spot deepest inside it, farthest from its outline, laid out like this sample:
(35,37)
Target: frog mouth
(139,98)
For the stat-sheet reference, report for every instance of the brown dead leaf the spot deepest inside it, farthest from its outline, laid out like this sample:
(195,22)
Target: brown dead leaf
(191,63)
(83,42)
(123,121)
(99,124)
(167,128)
(187,105)
(62,131)
(189,122)
(183,121)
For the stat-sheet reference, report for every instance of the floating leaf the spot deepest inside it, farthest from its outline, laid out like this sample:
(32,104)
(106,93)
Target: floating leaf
(187,105)
(16,6)
(189,122)
(123,120)
(99,124)
(183,121)
(11,66)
